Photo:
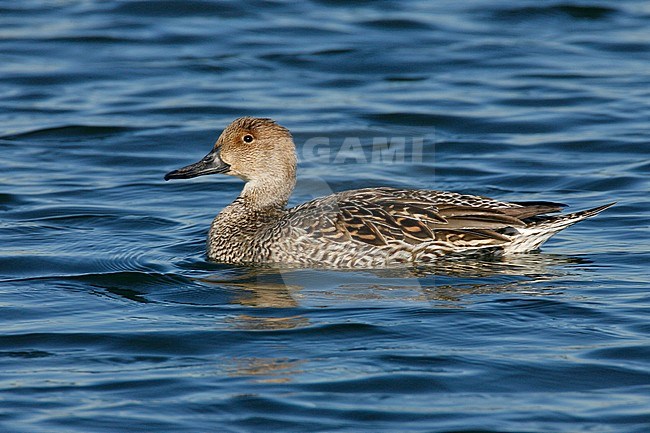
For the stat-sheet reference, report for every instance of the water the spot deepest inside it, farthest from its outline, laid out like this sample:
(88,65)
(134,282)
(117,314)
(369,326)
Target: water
(111,319)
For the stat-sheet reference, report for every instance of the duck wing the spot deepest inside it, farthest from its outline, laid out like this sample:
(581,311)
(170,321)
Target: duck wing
(384,216)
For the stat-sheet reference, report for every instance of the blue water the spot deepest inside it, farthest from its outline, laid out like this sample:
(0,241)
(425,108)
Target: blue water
(112,319)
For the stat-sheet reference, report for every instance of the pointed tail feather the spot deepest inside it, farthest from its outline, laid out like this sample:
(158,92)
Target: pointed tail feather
(563,221)
(539,229)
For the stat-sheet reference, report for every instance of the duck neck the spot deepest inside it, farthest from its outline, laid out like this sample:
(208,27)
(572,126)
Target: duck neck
(261,194)
(239,228)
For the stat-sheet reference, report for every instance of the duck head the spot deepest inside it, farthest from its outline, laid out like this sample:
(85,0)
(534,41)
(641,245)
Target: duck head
(254,149)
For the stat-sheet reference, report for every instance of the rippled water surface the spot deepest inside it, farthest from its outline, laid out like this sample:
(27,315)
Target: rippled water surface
(112,319)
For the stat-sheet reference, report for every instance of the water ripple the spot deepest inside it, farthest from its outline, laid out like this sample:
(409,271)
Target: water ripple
(113,319)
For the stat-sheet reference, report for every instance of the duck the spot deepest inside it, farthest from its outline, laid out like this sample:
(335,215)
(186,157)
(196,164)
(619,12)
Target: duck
(378,227)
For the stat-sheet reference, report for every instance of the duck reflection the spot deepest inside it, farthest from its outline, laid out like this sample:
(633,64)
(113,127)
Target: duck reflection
(258,287)
(258,323)
(268,299)
(264,370)
(450,280)
(261,288)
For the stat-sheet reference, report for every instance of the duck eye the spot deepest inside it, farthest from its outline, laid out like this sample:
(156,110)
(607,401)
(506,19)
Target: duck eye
(248,138)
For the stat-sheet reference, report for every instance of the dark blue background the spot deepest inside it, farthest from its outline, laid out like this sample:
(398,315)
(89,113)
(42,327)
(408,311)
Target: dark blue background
(112,320)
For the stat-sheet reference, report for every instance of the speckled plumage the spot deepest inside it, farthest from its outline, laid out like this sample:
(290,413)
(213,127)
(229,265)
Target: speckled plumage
(364,228)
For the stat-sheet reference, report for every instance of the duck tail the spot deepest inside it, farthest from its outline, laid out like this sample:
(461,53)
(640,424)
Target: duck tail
(539,229)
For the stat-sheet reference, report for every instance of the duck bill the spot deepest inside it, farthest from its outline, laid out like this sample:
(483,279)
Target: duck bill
(210,164)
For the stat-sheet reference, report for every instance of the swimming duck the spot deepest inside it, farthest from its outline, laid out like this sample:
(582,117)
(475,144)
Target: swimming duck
(362,228)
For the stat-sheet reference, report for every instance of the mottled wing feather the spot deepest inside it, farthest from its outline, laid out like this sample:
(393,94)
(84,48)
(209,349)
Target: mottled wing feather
(471,237)
(382,216)
(465,217)
(378,223)
(529,209)
(361,223)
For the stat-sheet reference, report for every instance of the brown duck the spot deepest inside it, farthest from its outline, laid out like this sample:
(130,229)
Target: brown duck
(363,228)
